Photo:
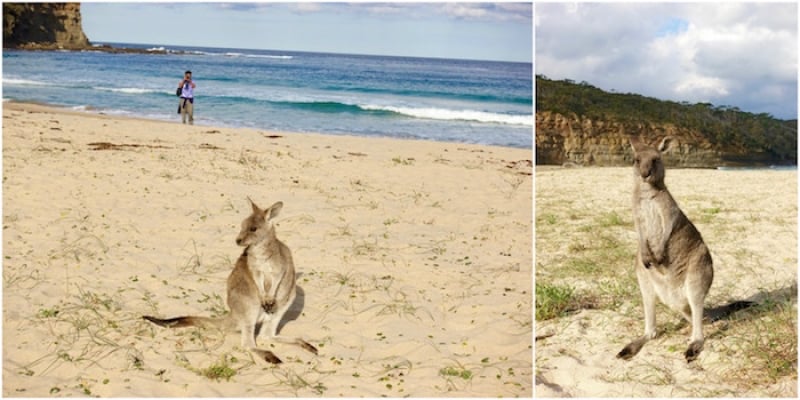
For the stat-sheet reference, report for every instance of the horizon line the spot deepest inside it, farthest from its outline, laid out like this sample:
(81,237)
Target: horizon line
(100,42)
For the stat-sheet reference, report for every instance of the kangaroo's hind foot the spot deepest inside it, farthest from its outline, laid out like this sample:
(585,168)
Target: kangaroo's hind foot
(693,351)
(267,356)
(307,346)
(632,348)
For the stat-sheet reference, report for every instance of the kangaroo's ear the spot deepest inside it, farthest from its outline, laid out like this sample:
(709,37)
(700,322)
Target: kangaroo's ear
(666,144)
(273,210)
(636,143)
(255,207)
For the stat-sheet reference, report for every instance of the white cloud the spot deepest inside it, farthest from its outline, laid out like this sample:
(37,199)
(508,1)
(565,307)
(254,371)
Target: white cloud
(304,7)
(740,54)
(464,10)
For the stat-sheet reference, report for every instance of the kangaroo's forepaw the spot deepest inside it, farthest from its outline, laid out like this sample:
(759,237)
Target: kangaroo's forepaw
(268,306)
(694,350)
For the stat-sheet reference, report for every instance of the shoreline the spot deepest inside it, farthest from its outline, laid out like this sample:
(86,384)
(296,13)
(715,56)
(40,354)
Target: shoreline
(64,109)
(414,260)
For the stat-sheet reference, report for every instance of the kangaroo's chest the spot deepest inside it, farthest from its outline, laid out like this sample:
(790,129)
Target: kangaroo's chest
(264,273)
(652,219)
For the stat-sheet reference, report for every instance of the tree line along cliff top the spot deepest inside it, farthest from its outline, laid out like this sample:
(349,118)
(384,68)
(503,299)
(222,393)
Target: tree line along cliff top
(728,130)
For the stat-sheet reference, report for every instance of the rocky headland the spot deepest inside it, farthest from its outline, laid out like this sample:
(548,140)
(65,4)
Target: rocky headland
(578,124)
(51,26)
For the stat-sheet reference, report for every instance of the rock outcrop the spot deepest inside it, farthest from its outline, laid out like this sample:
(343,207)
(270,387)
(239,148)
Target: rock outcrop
(567,140)
(43,26)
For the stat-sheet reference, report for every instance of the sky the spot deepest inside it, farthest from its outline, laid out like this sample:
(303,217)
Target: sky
(479,31)
(737,54)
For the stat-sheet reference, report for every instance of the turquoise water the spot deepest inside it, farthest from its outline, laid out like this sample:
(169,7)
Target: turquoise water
(446,100)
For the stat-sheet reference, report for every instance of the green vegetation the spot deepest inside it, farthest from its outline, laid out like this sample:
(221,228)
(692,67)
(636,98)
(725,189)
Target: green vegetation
(458,372)
(727,128)
(553,301)
(220,370)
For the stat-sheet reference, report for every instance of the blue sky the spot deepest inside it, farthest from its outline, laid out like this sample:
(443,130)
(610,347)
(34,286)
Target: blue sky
(737,54)
(483,31)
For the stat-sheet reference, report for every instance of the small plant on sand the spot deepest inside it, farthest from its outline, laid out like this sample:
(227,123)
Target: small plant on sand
(458,372)
(47,313)
(456,376)
(709,214)
(218,371)
(403,161)
(549,219)
(553,301)
(514,182)
(611,219)
(310,380)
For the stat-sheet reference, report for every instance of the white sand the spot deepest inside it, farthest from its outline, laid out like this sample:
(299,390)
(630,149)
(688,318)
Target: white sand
(414,260)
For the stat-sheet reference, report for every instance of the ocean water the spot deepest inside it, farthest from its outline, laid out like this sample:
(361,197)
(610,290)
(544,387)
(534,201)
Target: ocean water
(436,99)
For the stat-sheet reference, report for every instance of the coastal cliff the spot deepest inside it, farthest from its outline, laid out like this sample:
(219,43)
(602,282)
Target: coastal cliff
(577,123)
(43,26)
(576,140)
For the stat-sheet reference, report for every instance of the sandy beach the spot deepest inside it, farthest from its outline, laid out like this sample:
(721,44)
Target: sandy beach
(414,261)
(585,241)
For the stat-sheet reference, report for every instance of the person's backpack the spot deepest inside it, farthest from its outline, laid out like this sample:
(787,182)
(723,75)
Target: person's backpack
(179,92)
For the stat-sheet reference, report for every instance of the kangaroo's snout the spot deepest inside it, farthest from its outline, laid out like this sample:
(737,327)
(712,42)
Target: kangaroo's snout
(647,170)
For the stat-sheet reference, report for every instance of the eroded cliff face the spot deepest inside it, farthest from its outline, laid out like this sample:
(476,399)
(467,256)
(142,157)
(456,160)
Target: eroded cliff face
(568,140)
(43,26)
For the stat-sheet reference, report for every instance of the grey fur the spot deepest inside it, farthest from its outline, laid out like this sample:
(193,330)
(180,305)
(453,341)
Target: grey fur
(672,262)
(261,287)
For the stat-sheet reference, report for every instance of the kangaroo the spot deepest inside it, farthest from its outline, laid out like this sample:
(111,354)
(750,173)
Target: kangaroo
(672,262)
(261,287)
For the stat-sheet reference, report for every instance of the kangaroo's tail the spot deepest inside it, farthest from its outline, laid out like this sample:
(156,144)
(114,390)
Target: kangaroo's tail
(180,322)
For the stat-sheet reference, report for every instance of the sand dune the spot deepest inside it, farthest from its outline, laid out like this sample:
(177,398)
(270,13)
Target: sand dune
(585,240)
(414,260)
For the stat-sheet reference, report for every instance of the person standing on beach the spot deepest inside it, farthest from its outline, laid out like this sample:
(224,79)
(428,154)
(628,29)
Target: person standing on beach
(186,106)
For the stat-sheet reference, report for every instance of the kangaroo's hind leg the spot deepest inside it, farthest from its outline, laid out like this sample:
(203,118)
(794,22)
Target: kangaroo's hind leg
(696,299)
(248,328)
(698,281)
(649,305)
(274,321)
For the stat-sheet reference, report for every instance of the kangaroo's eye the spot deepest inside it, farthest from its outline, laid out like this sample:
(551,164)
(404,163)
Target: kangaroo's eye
(253,229)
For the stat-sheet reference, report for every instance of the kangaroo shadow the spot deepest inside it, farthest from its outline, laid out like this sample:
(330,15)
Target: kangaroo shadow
(295,310)
(757,306)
